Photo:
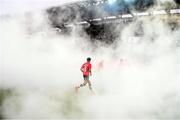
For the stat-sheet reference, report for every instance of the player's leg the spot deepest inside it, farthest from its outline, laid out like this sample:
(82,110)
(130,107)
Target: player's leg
(81,85)
(89,83)
(90,87)
(85,81)
(84,84)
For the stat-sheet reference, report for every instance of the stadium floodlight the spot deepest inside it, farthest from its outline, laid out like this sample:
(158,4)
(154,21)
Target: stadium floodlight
(129,1)
(160,12)
(111,17)
(97,19)
(98,2)
(83,22)
(111,1)
(127,16)
(174,11)
(70,25)
(141,14)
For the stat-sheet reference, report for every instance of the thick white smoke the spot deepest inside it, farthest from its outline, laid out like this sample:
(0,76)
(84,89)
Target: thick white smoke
(137,79)
(20,6)
(147,84)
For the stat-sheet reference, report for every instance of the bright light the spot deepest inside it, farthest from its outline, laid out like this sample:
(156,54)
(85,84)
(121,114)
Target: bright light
(111,1)
(111,17)
(173,11)
(97,19)
(70,25)
(129,1)
(160,12)
(141,14)
(83,22)
(127,16)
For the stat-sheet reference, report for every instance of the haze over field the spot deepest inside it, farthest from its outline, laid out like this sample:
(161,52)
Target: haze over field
(139,76)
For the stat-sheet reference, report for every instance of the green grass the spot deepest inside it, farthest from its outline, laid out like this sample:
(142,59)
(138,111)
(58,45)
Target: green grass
(4,94)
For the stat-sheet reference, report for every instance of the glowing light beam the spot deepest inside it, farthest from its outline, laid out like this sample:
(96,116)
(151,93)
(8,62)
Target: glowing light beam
(111,1)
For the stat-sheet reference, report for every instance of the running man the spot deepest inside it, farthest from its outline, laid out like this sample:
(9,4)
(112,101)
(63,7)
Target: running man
(86,70)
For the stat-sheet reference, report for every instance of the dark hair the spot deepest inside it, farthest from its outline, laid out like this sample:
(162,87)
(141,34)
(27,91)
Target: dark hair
(88,59)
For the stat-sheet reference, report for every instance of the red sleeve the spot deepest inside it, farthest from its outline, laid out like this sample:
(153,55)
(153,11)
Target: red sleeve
(90,66)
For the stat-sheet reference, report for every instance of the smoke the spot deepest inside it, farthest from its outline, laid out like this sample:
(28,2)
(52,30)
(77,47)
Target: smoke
(13,7)
(139,78)
(146,86)
(37,64)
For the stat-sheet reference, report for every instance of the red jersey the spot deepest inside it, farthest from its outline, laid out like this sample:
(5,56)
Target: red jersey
(86,68)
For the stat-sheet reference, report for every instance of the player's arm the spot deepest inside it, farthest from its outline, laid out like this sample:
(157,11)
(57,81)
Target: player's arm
(81,68)
(90,70)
